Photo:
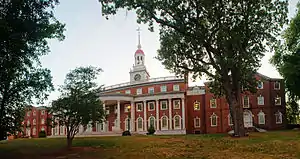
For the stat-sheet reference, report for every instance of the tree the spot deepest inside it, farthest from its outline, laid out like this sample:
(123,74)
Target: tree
(287,61)
(79,103)
(25,27)
(222,40)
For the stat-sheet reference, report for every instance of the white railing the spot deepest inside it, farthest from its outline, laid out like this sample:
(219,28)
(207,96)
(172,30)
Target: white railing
(168,78)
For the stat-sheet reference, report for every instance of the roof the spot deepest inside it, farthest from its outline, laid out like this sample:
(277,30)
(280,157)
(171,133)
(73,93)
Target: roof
(139,51)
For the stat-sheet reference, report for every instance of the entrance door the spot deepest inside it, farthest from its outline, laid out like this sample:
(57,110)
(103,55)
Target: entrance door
(248,119)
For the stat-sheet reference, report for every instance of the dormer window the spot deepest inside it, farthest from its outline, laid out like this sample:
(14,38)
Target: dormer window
(277,85)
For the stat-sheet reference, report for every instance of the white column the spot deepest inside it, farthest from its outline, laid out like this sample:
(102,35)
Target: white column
(170,114)
(104,110)
(157,115)
(183,113)
(132,125)
(145,116)
(118,115)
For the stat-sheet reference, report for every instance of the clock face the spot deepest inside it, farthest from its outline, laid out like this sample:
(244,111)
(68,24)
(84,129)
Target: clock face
(137,77)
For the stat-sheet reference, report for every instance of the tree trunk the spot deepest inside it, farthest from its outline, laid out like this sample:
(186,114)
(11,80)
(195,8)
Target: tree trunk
(69,142)
(238,118)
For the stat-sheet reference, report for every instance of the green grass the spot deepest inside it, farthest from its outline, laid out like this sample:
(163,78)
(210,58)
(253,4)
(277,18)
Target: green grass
(277,144)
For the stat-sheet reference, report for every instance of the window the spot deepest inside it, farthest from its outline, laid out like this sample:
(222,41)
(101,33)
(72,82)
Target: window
(230,121)
(176,87)
(34,113)
(127,122)
(151,106)
(277,100)
(127,92)
(176,104)
(107,111)
(277,85)
(61,130)
(28,122)
(140,124)
(43,121)
(28,113)
(261,118)
(151,90)
(164,123)
(213,103)
(34,122)
(163,105)
(197,123)
(213,120)
(139,107)
(151,121)
(278,117)
(43,112)
(34,131)
(260,100)
(177,122)
(196,105)
(260,85)
(127,108)
(246,102)
(139,91)
(163,88)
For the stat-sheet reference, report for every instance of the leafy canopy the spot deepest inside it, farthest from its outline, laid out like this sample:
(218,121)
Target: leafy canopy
(25,28)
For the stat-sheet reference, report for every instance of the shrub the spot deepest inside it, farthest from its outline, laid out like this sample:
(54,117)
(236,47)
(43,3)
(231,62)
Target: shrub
(42,134)
(151,130)
(126,133)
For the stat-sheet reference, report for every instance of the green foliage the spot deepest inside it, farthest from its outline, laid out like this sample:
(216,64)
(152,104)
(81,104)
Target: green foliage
(151,130)
(42,134)
(79,103)
(292,112)
(25,28)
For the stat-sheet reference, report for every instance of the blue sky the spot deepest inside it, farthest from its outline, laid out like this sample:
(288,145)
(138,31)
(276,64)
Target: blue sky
(108,44)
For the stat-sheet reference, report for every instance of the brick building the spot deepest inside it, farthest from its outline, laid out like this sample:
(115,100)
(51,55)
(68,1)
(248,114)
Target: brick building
(172,107)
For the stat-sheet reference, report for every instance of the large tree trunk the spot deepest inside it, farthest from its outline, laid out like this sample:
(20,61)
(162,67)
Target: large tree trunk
(238,119)
(69,142)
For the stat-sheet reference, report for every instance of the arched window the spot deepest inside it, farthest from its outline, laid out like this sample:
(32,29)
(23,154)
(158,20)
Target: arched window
(230,122)
(247,119)
(127,123)
(34,122)
(278,117)
(61,130)
(261,118)
(140,124)
(213,120)
(151,121)
(164,123)
(177,122)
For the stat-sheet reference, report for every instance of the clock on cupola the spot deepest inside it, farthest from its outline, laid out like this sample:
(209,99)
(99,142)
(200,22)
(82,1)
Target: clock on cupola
(137,77)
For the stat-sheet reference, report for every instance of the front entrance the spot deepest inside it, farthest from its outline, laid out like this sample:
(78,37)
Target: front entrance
(248,119)
(127,124)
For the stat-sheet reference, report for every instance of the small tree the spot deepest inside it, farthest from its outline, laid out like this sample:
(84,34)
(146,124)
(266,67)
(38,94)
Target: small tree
(79,103)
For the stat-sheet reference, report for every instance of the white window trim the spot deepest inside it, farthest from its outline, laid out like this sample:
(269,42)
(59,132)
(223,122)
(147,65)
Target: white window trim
(161,125)
(61,132)
(279,100)
(137,124)
(42,121)
(137,106)
(34,113)
(163,90)
(139,91)
(150,88)
(34,122)
(126,123)
(211,117)
(280,117)
(107,111)
(210,102)
(128,91)
(149,106)
(263,100)
(199,105)
(161,105)
(174,102)
(262,84)
(229,117)
(195,119)
(34,131)
(179,127)
(176,86)
(154,121)
(275,85)
(261,114)
(246,106)
(125,108)
(43,112)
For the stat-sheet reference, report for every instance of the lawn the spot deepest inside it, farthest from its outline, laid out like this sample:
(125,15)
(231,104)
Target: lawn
(279,144)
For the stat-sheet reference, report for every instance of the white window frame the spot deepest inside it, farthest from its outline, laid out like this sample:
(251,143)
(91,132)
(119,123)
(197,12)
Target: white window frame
(248,105)
(149,106)
(279,100)
(28,113)
(34,122)
(195,121)
(178,127)
(163,88)
(43,112)
(262,115)
(128,91)
(42,121)
(125,108)
(199,105)
(43,129)
(139,91)
(28,122)
(275,85)
(137,124)
(137,107)
(176,87)
(161,123)
(149,90)
(126,123)
(107,111)
(210,103)
(150,122)
(34,131)
(211,120)
(278,115)
(263,100)
(230,120)
(61,128)
(262,84)
(161,104)
(34,113)
(174,104)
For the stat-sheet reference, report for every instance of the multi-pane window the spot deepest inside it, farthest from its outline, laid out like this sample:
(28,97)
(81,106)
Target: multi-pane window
(278,117)
(176,104)
(163,105)
(197,122)
(260,100)
(140,123)
(151,106)
(230,121)
(139,91)
(277,100)
(34,122)
(213,120)
(246,102)
(151,90)
(261,118)
(43,121)
(28,122)
(260,85)
(213,103)
(164,123)
(152,121)
(128,92)
(177,124)
(163,88)
(196,105)
(277,85)
(176,87)
(34,131)
(139,107)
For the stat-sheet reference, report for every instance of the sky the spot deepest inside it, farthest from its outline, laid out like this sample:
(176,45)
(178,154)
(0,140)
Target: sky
(110,45)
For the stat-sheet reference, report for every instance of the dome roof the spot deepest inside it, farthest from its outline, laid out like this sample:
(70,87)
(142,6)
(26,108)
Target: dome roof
(139,51)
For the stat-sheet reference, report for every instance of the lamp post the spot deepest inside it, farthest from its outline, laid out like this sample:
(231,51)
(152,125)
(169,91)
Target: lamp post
(128,108)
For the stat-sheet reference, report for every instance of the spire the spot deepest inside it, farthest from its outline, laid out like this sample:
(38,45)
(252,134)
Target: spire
(139,38)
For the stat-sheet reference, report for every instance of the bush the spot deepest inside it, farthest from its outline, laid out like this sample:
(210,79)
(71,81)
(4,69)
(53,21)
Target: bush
(126,133)
(151,130)
(42,134)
